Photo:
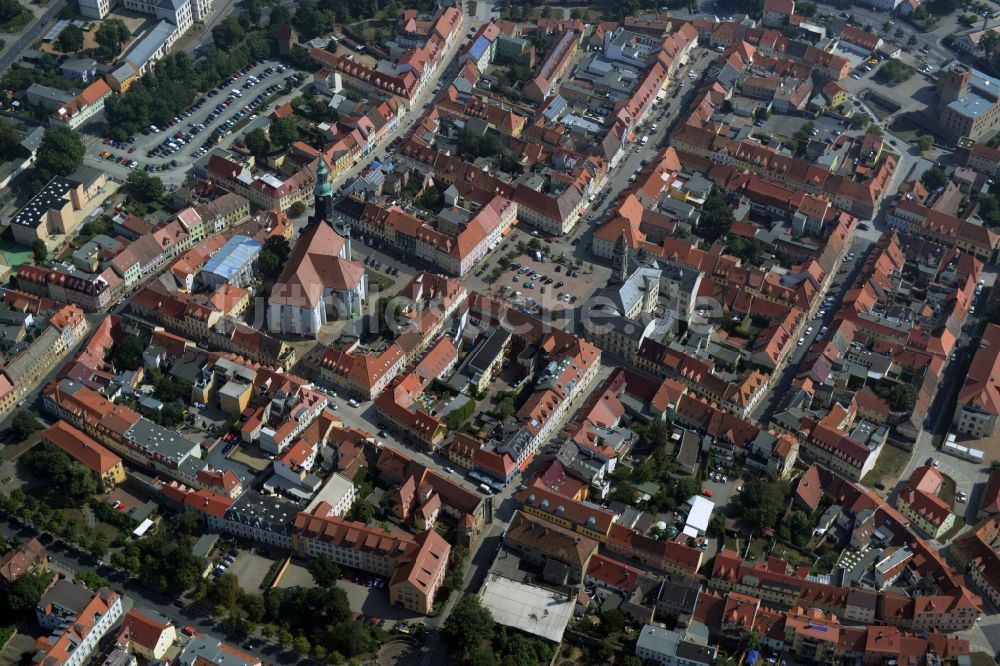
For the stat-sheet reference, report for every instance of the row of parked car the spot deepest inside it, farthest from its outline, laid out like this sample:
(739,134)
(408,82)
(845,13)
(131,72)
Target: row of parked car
(226,562)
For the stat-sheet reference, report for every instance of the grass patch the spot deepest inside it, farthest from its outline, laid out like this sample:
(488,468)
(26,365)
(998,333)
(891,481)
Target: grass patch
(792,555)
(15,451)
(888,468)
(947,490)
(6,633)
(384,283)
(981,659)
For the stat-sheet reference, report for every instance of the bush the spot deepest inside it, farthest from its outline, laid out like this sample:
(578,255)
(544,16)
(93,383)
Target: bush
(13,15)
(893,72)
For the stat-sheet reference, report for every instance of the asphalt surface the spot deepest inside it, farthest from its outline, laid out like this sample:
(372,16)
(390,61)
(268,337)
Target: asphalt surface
(174,175)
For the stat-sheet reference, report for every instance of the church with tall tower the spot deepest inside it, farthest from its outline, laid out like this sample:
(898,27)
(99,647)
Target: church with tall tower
(323,201)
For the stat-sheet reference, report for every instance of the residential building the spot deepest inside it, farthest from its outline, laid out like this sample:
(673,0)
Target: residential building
(563,555)
(415,565)
(777,13)
(104,464)
(415,584)
(77,628)
(83,107)
(28,558)
(670,648)
(918,500)
(147,634)
(453,253)
(978,405)
(976,551)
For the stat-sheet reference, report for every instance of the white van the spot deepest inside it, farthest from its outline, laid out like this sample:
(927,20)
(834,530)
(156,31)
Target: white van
(644,140)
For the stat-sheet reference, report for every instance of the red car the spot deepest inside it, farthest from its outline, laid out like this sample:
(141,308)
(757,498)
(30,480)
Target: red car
(189,630)
(706,492)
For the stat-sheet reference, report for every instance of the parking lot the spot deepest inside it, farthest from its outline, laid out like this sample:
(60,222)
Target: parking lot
(212,117)
(536,285)
(249,568)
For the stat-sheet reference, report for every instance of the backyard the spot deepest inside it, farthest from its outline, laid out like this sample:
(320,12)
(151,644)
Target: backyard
(887,470)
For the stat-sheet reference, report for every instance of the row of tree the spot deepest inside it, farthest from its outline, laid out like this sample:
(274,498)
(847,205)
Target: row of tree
(175,82)
(313,620)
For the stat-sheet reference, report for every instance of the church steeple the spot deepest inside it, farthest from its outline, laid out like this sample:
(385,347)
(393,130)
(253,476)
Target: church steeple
(619,262)
(322,195)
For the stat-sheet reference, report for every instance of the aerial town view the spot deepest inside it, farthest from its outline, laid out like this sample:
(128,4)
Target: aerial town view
(499,332)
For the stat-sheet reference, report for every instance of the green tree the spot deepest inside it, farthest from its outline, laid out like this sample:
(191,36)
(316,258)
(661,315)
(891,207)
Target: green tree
(226,591)
(297,209)
(934,178)
(13,15)
(91,580)
(800,527)
(279,245)
(39,251)
(362,512)
(482,655)
(716,219)
(257,142)
(925,142)
(253,9)
(301,645)
(70,39)
(324,571)
(26,592)
(112,36)
(127,354)
(901,397)
(505,408)
(468,625)
(750,250)
(66,477)
(145,187)
(283,132)
(762,503)
(24,423)
(892,72)
(60,152)
(612,621)
(228,34)
(686,488)
(10,142)
(268,264)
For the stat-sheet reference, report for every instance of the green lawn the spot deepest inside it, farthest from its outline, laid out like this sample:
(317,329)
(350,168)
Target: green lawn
(947,490)
(888,468)
(15,254)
